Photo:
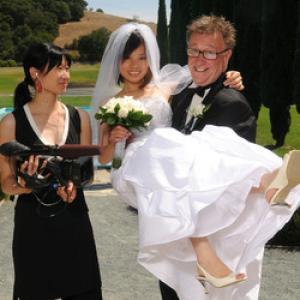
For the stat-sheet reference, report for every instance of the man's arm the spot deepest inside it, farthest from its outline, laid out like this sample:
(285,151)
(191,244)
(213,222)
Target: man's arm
(237,114)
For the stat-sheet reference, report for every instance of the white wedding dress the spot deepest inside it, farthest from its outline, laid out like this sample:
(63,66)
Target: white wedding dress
(199,185)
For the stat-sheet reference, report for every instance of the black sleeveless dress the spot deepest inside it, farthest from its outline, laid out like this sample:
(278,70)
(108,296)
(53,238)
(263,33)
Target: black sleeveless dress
(54,257)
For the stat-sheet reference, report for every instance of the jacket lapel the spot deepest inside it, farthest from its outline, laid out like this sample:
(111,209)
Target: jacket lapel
(209,99)
(184,101)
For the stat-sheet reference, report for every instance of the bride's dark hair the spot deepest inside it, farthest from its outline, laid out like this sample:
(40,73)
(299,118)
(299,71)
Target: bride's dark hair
(44,57)
(134,41)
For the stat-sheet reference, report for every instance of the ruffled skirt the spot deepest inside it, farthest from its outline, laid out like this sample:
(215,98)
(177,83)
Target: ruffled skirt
(199,185)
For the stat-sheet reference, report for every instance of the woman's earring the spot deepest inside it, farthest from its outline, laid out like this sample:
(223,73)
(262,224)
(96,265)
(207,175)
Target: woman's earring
(38,86)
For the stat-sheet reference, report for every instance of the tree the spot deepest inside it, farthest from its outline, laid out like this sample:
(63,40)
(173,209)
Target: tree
(224,8)
(279,23)
(246,56)
(180,17)
(162,33)
(76,8)
(195,8)
(203,7)
(24,22)
(59,8)
(91,47)
(7,48)
(296,72)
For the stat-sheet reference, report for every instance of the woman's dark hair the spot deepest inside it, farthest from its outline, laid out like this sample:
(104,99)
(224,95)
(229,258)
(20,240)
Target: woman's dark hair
(134,41)
(44,57)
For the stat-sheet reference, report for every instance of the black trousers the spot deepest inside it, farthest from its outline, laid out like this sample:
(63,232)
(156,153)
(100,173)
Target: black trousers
(167,293)
(91,295)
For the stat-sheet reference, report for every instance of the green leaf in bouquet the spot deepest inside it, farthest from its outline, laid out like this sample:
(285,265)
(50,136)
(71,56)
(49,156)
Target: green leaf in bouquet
(103,110)
(121,121)
(128,123)
(117,108)
(146,118)
(136,115)
(116,163)
(100,114)
(111,120)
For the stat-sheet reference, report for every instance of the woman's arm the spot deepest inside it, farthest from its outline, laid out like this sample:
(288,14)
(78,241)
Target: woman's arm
(85,124)
(9,183)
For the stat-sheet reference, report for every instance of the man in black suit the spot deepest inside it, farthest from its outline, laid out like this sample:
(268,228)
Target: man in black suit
(210,41)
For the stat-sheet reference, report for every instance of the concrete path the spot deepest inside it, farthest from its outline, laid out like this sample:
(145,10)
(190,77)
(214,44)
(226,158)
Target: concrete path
(115,228)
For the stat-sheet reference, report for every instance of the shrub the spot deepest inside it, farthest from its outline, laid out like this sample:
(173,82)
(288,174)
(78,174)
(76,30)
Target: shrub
(8,63)
(91,47)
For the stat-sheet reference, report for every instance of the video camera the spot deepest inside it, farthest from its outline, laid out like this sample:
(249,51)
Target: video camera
(69,162)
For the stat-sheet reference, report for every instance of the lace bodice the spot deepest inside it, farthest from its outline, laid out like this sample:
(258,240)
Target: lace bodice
(161,113)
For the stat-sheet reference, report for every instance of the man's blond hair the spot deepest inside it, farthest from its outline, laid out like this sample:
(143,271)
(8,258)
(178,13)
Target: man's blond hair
(213,24)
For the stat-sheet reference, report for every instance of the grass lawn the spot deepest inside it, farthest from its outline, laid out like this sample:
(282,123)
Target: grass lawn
(84,74)
(9,78)
(264,136)
(7,101)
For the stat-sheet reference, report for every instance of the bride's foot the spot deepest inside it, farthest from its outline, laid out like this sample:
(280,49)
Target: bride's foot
(211,268)
(287,177)
(219,282)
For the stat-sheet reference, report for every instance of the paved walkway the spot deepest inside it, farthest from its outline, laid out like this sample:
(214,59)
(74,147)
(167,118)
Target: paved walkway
(115,228)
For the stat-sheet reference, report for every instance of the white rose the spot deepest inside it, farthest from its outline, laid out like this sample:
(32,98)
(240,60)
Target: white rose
(127,103)
(110,105)
(197,110)
(123,112)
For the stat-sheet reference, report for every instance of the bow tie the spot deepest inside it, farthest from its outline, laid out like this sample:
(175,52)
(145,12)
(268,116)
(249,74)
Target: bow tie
(198,90)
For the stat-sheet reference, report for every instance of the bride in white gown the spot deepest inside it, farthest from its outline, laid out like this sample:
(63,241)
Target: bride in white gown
(200,197)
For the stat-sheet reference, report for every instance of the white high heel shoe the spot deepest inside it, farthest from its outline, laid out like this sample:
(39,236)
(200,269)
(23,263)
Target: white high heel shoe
(287,177)
(204,276)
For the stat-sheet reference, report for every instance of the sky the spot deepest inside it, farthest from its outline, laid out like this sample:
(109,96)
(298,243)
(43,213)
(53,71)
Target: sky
(145,10)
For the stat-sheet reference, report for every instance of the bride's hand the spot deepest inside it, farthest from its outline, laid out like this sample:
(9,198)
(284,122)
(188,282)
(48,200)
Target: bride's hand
(118,133)
(234,80)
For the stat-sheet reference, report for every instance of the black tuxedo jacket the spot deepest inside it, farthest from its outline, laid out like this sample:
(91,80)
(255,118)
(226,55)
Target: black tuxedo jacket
(227,107)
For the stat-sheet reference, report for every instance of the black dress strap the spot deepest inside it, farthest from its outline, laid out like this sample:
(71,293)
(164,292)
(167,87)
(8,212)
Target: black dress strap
(74,126)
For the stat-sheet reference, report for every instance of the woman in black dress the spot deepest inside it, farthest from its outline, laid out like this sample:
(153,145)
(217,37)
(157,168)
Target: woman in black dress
(54,250)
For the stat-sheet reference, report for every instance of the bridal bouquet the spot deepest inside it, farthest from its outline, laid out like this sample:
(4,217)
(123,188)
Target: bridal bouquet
(127,112)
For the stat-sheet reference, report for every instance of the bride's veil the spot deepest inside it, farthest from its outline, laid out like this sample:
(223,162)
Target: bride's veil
(107,81)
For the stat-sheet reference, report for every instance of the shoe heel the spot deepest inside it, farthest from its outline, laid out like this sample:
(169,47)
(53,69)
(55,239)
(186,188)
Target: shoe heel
(203,282)
(287,178)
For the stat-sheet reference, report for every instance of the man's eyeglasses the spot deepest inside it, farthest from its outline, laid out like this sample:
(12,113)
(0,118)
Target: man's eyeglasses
(207,54)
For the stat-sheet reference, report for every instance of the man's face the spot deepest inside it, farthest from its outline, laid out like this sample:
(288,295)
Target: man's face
(205,71)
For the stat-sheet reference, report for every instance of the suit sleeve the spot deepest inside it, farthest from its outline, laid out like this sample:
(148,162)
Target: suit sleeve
(237,114)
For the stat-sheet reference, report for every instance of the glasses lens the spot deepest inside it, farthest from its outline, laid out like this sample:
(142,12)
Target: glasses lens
(192,52)
(210,54)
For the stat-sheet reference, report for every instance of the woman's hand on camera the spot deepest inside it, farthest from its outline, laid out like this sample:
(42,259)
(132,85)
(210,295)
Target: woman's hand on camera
(30,167)
(68,192)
